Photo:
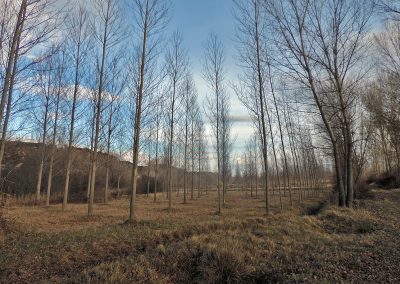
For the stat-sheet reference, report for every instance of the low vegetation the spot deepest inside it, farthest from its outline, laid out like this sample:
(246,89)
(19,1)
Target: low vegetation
(191,243)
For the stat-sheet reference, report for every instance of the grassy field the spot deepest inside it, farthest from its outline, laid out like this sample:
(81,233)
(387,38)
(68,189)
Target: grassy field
(193,244)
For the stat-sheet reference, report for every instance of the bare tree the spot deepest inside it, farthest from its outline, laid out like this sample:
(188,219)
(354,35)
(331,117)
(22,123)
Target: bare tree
(389,6)
(201,152)
(59,73)
(194,113)
(251,40)
(214,75)
(9,77)
(151,17)
(46,89)
(108,35)
(115,89)
(20,33)
(157,122)
(325,67)
(79,41)
(176,66)
(188,100)
(226,143)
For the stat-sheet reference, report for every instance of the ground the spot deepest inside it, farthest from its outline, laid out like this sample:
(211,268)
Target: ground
(308,242)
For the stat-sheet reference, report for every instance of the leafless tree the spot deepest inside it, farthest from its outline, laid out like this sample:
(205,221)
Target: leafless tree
(176,67)
(251,48)
(116,86)
(45,87)
(214,74)
(194,114)
(79,41)
(188,100)
(107,24)
(58,92)
(201,152)
(20,33)
(325,67)
(151,16)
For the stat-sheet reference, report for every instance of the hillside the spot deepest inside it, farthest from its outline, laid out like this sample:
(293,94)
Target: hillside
(22,163)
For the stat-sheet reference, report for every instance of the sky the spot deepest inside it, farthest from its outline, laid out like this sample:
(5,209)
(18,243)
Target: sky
(196,19)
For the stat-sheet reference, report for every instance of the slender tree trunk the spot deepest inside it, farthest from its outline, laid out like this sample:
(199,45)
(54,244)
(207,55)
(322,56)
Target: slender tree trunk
(171,139)
(7,116)
(156,166)
(349,166)
(192,174)
(43,152)
(255,169)
(118,185)
(108,151)
(278,179)
(93,122)
(282,139)
(132,211)
(261,96)
(53,142)
(12,57)
(71,131)
(251,173)
(148,173)
(186,147)
(218,150)
(290,133)
(9,78)
(98,115)
(199,164)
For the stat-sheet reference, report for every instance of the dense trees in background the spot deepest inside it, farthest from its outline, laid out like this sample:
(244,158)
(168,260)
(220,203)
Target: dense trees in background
(320,46)
(97,85)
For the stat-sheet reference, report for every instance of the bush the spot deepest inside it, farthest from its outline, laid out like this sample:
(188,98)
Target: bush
(362,190)
(384,181)
(142,185)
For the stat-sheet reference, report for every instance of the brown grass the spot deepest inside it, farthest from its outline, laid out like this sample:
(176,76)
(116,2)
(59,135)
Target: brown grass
(191,244)
(238,206)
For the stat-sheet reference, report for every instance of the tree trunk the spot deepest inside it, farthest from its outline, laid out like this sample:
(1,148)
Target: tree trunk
(261,95)
(9,77)
(132,211)
(43,152)
(71,132)
(53,142)
(108,151)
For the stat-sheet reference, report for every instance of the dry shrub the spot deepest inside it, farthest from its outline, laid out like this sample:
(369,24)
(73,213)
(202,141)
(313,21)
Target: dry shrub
(194,261)
(222,266)
(385,180)
(348,221)
(317,208)
(362,190)
(130,270)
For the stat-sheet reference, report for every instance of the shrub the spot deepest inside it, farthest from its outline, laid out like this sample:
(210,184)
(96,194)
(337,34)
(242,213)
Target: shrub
(362,190)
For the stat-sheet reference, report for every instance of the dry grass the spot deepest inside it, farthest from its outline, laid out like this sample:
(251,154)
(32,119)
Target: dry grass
(191,244)
(238,205)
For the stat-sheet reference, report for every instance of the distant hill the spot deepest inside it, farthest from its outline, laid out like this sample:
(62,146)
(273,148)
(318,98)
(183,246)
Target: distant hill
(22,160)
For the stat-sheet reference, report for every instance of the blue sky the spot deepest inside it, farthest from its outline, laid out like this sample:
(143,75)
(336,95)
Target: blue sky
(196,19)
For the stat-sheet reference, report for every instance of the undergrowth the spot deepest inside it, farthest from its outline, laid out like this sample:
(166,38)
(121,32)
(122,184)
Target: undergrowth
(335,245)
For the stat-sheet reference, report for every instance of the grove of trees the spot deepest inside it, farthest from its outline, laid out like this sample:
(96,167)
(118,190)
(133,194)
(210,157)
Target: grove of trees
(105,99)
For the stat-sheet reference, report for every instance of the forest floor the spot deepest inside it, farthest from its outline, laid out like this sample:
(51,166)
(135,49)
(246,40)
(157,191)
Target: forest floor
(308,242)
